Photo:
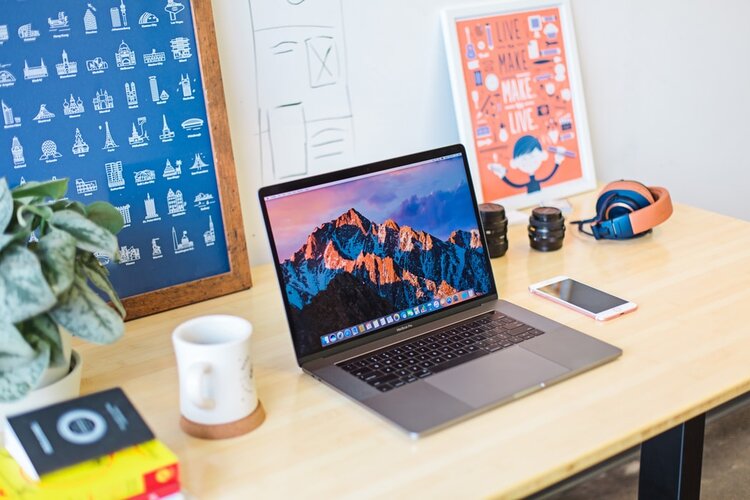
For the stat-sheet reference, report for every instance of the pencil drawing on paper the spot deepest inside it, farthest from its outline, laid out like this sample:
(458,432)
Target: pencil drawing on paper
(304,108)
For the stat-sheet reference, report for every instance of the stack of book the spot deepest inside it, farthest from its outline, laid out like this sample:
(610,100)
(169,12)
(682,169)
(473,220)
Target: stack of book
(97,446)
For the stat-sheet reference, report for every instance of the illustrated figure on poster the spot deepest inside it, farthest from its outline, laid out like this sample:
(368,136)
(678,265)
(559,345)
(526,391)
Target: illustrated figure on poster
(528,157)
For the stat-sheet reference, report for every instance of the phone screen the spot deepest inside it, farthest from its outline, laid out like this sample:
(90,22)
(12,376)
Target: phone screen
(582,296)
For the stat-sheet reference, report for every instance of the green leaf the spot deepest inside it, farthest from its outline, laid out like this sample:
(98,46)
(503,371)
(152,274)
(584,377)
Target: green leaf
(84,314)
(17,382)
(41,211)
(97,273)
(49,189)
(12,342)
(5,240)
(106,216)
(57,252)
(23,220)
(89,236)
(8,362)
(24,292)
(45,329)
(6,204)
(20,236)
(75,206)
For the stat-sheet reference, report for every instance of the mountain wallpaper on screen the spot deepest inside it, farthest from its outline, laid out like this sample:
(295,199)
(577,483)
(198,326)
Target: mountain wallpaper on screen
(352,270)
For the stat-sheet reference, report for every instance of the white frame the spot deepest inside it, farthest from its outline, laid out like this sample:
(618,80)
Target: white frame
(459,90)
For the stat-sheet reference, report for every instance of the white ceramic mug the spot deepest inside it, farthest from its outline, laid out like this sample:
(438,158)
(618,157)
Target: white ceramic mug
(215,371)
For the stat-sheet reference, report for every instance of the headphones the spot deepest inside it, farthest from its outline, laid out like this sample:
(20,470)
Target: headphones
(627,209)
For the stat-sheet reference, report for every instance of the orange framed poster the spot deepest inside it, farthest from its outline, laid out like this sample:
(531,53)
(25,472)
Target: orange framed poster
(518,99)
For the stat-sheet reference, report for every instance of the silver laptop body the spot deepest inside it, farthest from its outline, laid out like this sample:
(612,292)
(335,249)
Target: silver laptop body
(390,297)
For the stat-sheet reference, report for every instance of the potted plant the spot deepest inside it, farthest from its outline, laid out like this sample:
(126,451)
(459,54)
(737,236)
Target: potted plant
(48,264)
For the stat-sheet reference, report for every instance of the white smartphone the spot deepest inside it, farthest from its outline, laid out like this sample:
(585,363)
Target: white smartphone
(582,298)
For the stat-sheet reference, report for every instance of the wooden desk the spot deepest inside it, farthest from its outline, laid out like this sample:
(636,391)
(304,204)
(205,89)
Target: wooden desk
(686,350)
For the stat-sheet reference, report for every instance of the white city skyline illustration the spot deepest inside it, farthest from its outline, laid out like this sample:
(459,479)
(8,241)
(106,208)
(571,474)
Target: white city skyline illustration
(103,101)
(172,172)
(119,17)
(86,188)
(157,96)
(143,177)
(7,79)
(125,57)
(139,137)
(150,205)
(125,213)
(96,65)
(59,24)
(199,166)
(44,115)
(148,20)
(50,153)
(16,150)
(129,254)
(167,134)
(115,179)
(35,73)
(174,8)
(203,201)
(209,237)
(175,203)
(155,249)
(89,20)
(154,58)
(73,107)
(27,33)
(131,95)
(186,87)
(66,68)
(9,118)
(180,48)
(184,244)
(80,147)
(109,142)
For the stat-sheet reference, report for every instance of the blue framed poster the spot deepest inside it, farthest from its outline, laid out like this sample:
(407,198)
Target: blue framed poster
(111,94)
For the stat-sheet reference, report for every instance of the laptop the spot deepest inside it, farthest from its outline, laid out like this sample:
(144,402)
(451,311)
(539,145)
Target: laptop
(390,297)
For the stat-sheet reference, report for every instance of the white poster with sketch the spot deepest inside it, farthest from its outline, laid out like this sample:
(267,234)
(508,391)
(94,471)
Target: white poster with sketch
(304,108)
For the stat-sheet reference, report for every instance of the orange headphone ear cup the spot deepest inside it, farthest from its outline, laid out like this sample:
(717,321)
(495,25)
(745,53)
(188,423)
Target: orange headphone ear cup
(626,209)
(620,198)
(654,214)
(636,186)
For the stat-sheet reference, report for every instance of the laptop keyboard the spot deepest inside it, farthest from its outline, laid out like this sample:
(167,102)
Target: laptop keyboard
(423,356)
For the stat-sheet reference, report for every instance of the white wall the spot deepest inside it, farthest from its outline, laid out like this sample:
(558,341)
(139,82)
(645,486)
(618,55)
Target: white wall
(666,86)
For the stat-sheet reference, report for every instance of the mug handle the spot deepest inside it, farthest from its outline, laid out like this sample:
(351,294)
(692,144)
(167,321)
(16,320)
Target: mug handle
(199,385)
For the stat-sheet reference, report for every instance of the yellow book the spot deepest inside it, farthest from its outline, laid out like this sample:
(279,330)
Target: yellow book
(145,471)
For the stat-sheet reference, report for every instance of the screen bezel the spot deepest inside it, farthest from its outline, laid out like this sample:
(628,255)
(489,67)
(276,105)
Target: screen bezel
(358,171)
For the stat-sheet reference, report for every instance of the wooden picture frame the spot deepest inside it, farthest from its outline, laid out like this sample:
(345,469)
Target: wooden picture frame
(239,277)
(518,98)
(151,71)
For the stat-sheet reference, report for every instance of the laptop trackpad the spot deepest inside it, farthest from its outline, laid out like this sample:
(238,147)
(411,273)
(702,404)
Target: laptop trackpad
(496,376)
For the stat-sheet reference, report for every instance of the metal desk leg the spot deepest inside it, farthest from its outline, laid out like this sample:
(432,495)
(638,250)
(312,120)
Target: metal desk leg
(671,462)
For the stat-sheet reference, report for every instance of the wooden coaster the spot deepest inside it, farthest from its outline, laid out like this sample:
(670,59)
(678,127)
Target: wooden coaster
(224,431)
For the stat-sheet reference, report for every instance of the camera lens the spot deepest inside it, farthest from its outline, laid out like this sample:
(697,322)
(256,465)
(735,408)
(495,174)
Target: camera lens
(495,226)
(546,229)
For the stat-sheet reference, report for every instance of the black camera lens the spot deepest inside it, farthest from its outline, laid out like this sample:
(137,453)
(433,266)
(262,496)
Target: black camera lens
(546,229)
(495,226)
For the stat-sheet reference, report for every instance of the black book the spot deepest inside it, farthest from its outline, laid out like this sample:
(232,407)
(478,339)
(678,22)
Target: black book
(67,433)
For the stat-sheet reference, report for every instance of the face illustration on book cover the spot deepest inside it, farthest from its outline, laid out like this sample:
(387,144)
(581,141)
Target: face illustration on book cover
(378,245)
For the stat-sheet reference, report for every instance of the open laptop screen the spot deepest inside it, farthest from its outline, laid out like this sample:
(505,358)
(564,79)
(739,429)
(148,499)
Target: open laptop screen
(362,254)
